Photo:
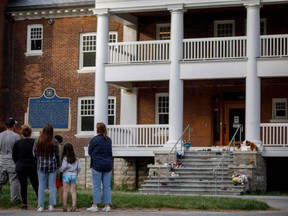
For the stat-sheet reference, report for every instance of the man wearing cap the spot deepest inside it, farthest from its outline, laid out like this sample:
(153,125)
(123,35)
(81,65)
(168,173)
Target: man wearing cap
(7,140)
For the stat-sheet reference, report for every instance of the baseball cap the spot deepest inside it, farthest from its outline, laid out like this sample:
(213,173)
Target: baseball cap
(10,122)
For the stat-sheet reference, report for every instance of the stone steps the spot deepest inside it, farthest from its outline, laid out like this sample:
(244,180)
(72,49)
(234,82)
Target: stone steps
(195,176)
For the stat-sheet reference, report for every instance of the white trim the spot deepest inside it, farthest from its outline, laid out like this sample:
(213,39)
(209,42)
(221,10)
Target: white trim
(274,114)
(91,69)
(114,109)
(157,95)
(218,22)
(159,26)
(29,51)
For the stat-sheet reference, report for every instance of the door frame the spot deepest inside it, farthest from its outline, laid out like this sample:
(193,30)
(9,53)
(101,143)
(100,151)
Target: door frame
(226,124)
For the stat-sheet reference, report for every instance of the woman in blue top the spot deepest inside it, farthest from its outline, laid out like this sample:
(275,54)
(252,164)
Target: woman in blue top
(100,151)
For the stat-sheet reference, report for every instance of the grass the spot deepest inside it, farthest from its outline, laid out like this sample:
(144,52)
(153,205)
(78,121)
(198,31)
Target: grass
(134,200)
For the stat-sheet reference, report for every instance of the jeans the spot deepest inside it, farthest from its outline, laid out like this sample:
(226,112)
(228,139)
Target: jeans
(14,184)
(43,178)
(105,179)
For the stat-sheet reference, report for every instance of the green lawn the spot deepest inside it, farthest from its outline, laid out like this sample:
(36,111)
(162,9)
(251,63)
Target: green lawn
(123,200)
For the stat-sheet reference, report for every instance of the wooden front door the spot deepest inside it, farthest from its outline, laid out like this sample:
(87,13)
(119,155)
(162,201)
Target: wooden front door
(234,115)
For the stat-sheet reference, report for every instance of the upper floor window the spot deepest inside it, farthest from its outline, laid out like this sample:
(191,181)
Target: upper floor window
(263,26)
(224,28)
(86,114)
(162,108)
(279,108)
(88,49)
(111,110)
(163,31)
(34,39)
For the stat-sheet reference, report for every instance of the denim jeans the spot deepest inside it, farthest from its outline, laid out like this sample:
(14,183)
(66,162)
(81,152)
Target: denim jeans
(105,179)
(43,179)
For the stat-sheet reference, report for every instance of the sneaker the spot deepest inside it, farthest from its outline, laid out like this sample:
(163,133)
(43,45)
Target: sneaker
(106,208)
(40,209)
(93,208)
(51,208)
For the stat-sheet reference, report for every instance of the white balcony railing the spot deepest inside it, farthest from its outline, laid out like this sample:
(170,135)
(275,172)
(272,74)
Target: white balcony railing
(274,45)
(196,49)
(138,135)
(214,48)
(274,134)
(139,51)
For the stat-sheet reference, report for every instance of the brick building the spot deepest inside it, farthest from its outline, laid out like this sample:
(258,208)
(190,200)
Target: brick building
(213,65)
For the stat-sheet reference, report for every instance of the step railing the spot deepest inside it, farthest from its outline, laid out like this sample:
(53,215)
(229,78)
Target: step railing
(173,150)
(221,162)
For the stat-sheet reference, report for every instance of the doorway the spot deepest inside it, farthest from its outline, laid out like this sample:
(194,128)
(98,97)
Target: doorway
(234,123)
(228,115)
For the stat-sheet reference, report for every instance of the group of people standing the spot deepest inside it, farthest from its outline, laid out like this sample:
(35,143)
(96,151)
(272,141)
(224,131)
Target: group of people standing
(47,163)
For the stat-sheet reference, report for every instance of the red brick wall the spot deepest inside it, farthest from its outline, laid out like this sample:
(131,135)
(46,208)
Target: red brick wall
(56,68)
(3,67)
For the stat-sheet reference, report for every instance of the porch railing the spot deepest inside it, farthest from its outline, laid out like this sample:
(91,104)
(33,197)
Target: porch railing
(138,135)
(196,49)
(274,134)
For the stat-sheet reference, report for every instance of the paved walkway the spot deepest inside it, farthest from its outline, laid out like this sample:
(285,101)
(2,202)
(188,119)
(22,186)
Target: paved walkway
(278,203)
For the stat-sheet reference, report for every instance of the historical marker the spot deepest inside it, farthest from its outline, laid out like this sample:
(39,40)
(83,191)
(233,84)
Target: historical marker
(49,108)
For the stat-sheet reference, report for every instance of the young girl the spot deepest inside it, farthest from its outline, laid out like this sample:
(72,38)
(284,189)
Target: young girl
(70,167)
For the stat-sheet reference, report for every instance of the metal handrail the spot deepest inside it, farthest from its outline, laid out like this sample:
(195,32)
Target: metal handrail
(168,155)
(222,158)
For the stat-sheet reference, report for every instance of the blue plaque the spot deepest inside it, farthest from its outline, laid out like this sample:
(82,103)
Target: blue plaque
(49,108)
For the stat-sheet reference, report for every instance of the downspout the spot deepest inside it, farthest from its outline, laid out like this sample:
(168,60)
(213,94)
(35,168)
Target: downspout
(11,70)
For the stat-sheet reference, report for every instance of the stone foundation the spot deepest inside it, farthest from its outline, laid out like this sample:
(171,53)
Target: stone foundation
(253,165)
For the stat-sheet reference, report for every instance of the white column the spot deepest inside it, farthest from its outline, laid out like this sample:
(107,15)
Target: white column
(175,83)
(128,113)
(253,82)
(101,87)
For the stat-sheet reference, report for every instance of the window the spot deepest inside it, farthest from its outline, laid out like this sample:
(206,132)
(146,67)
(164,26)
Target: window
(279,108)
(34,40)
(111,110)
(263,26)
(162,108)
(224,28)
(163,31)
(88,49)
(86,114)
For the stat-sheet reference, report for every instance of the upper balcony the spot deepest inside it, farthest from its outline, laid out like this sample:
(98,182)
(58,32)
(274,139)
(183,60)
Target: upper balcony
(227,56)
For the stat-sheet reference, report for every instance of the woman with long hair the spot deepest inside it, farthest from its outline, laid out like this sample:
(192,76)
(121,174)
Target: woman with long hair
(46,150)
(100,151)
(70,167)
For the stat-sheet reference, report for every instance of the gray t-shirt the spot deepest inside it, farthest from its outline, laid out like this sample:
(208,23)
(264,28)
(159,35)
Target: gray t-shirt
(8,139)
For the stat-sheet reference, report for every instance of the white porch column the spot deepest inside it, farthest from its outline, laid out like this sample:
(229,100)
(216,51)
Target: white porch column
(175,83)
(129,97)
(101,87)
(253,82)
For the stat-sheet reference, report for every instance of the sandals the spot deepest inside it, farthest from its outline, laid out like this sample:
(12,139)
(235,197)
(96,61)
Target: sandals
(73,209)
(64,208)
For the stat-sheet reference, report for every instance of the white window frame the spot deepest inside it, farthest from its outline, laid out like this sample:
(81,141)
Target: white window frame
(113,38)
(158,30)
(276,118)
(112,111)
(157,96)
(220,22)
(29,51)
(85,134)
(263,31)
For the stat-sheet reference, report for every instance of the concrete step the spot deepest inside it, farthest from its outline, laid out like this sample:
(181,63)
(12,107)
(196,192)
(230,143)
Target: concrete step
(195,176)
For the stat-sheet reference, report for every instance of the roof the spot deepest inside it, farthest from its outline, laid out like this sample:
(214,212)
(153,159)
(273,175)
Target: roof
(15,5)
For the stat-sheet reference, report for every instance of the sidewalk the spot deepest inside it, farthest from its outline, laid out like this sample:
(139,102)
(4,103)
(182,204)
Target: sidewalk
(278,203)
